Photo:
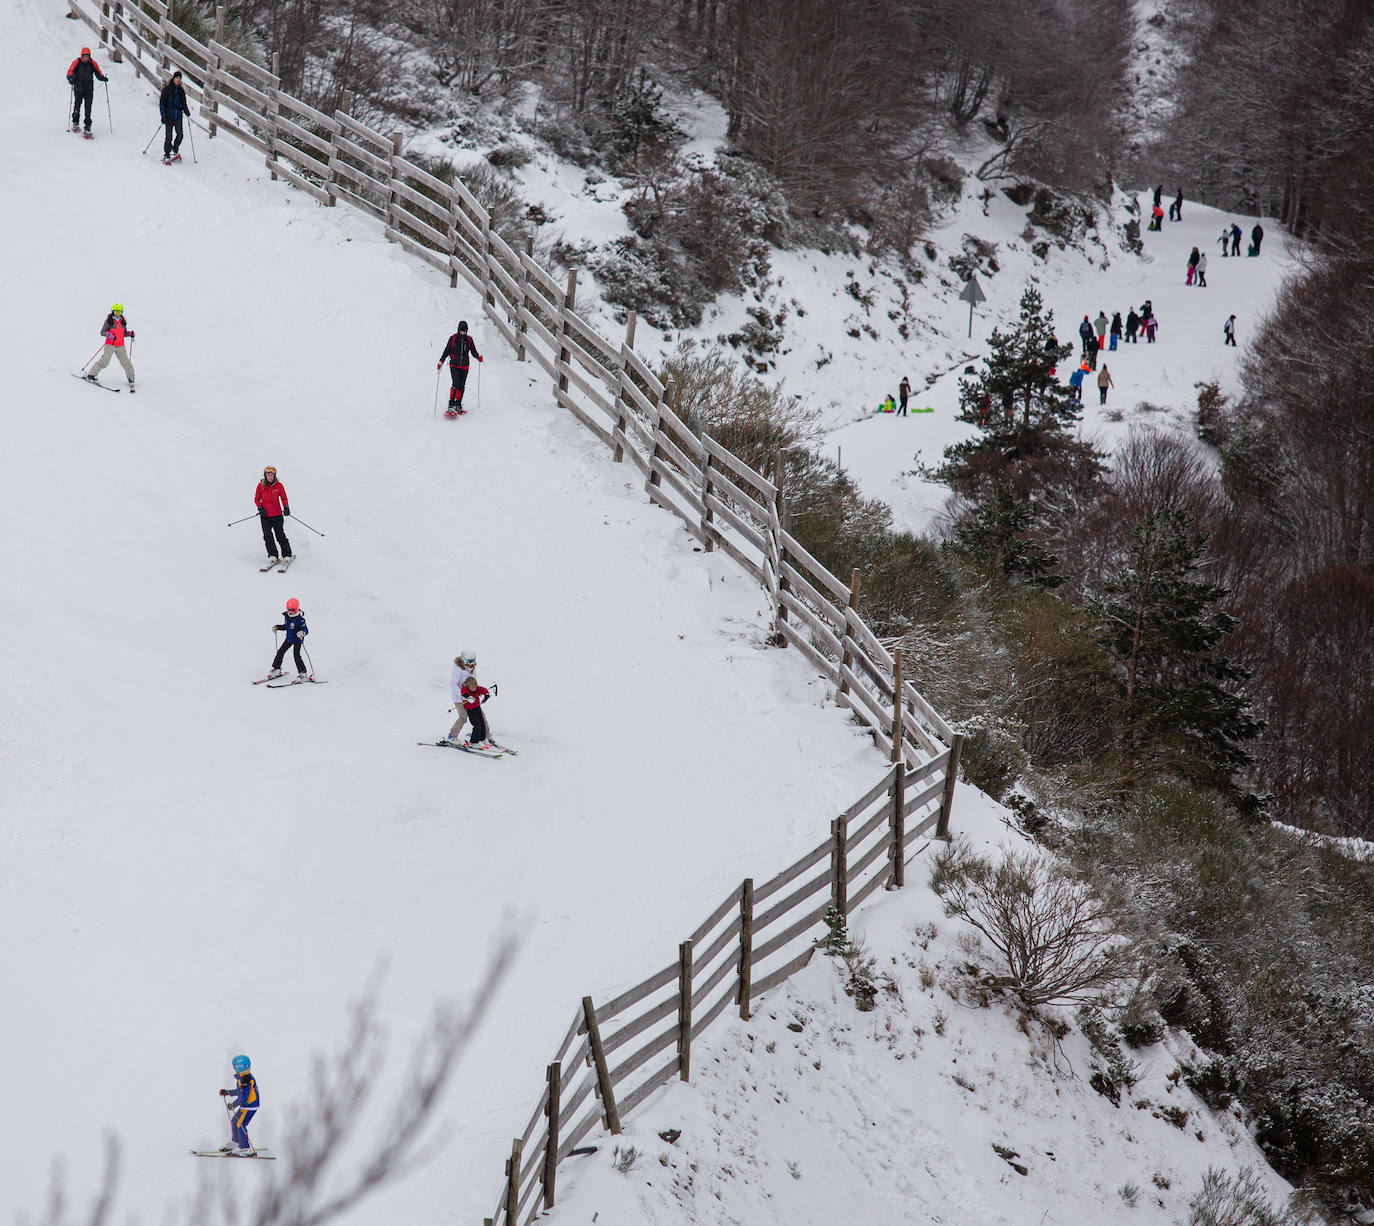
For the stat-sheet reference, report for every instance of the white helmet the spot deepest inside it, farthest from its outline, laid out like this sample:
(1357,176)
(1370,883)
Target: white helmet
(467,657)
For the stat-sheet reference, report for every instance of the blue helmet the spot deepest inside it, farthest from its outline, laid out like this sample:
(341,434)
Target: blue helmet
(242,1064)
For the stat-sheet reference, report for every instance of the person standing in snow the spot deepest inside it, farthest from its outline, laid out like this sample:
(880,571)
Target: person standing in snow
(1132,326)
(1235,239)
(464,670)
(1085,330)
(473,696)
(457,353)
(1100,327)
(82,76)
(1192,266)
(293,622)
(1151,323)
(1157,217)
(1225,238)
(243,1108)
(1116,330)
(903,394)
(1229,332)
(1159,195)
(115,329)
(1256,238)
(1104,381)
(1202,270)
(171,105)
(1076,381)
(273,507)
(1176,209)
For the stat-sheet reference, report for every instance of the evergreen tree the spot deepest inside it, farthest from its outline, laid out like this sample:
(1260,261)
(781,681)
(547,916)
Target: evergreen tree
(998,531)
(1159,618)
(1024,414)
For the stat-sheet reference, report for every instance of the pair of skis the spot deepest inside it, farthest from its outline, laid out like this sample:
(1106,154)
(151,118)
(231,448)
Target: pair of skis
(282,683)
(220,1153)
(489,750)
(281,569)
(103,387)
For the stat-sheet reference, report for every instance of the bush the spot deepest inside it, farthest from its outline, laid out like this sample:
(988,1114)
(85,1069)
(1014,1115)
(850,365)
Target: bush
(1233,1200)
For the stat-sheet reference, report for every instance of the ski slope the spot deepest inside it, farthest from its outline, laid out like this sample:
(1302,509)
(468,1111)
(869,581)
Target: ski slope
(191,866)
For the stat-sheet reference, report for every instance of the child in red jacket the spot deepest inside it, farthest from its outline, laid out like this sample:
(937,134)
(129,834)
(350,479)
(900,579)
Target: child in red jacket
(474,696)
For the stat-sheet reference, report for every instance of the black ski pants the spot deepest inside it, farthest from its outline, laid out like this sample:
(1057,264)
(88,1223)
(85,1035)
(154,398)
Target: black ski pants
(80,96)
(901,410)
(459,374)
(281,655)
(272,528)
(170,145)
(477,718)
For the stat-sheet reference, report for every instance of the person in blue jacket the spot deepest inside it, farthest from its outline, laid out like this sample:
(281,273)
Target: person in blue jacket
(293,622)
(243,1108)
(1076,381)
(172,106)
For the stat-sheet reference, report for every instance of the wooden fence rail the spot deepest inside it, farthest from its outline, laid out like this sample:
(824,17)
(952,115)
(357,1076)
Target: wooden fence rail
(757,936)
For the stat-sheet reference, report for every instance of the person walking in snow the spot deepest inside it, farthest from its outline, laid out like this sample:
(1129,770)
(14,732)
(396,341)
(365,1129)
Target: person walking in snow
(1093,348)
(1076,381)
(1235,239)
(1256,238)
(1159,195)
(903,394)
(1116,329)
(1132,326)
(171,105)
(1229,332)
(115,329)
(1104,381)
(293,622)
(1151,323)
(244,1107)
(1225,238)
(1085,330)
(458,353)
(1176,209)
(1192,266)
(1100,327)
(273,507)
(1202,270)
(82,76)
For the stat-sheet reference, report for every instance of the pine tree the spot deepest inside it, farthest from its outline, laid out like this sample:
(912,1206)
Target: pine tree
(1024,414)
(998,531)
(1159,618)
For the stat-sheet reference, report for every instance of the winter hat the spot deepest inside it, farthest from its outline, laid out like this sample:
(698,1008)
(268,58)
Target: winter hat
(462,325)
(85,51)
(176,76)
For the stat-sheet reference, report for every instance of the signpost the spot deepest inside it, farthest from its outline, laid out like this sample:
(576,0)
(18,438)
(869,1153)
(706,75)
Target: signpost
(972,294)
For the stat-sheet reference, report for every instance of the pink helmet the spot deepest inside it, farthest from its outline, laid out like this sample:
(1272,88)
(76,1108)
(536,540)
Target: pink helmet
(293,605)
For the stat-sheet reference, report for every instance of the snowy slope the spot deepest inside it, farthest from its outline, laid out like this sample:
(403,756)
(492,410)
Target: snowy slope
(813,1113)
(191,866)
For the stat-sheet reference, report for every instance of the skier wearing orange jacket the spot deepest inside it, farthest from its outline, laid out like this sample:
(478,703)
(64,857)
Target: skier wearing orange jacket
(82,76)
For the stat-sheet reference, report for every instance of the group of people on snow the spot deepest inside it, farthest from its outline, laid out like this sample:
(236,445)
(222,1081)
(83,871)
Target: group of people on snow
(84,72)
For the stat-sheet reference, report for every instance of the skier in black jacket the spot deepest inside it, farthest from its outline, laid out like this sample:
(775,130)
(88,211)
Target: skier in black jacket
(456,353)
(82,76)
(171,104)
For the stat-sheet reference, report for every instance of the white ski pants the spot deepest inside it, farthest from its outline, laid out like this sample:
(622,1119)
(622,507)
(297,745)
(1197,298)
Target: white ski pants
(114,351)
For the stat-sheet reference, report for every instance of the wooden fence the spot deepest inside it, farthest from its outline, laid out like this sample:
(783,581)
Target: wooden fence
(757,937)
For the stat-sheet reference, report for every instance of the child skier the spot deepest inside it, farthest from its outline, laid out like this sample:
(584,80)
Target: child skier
(293,622)
(457,352)
(115,329)
(243,1108)
(473,696)
(464,665)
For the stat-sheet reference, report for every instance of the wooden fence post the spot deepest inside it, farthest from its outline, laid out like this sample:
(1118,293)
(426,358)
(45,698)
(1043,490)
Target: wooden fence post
(105,32)
(488,297)
(656,454)
(897,732)
(212,69)
(621,375)
(746,945)
(273,111)
(708,516)
(779,527)
(564,354)
(555,1075)
(839,863)
(114,33)
(897,828)
(684,1011)
(455,230)
(524,304)
(392,199)
(951,778)
(603,1074)
(513,1181)
(847,658)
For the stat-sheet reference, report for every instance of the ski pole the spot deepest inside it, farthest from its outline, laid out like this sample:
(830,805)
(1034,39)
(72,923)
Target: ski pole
(439,370)
(303,524)
(152,138)
(244,520)
(92,358)
(479,386)
(108,113)
(71,91)
(191,132)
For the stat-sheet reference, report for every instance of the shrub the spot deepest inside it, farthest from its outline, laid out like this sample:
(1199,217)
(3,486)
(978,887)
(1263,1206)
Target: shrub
(1233,1200)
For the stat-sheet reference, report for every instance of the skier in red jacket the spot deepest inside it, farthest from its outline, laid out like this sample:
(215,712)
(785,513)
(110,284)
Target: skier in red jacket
(456,353)
(115,329)
(273,506)
(82,76)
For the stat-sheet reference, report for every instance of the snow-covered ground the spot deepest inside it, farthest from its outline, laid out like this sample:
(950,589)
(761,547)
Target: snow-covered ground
(813,1113)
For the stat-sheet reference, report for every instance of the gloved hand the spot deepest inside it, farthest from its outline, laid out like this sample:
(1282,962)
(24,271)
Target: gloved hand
(286,511)
(131,335)
(225,1093)
(481,359)
(109,336)
(440,366)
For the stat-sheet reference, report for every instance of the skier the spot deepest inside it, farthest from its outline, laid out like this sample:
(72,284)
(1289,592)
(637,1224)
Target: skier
(293,622)
(273,506)
(1229,332)
(457,353)
(115,328)
(1116,330)
(243,1108)
(1104,381)
(1202,270)
(82,76)
(903,392)
(172,106)
(1085,330)
(1076,381)
(472,698)
(1100,326)
(1132,326)
(1225,238)
(1192,266)
(1176,209)
(464,668)
(1256,238)
(1235,239)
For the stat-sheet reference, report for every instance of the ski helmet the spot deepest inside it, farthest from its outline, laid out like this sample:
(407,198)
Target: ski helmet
(242,1064)
(269,469)
(117,309)
(293,605)
(467,658)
